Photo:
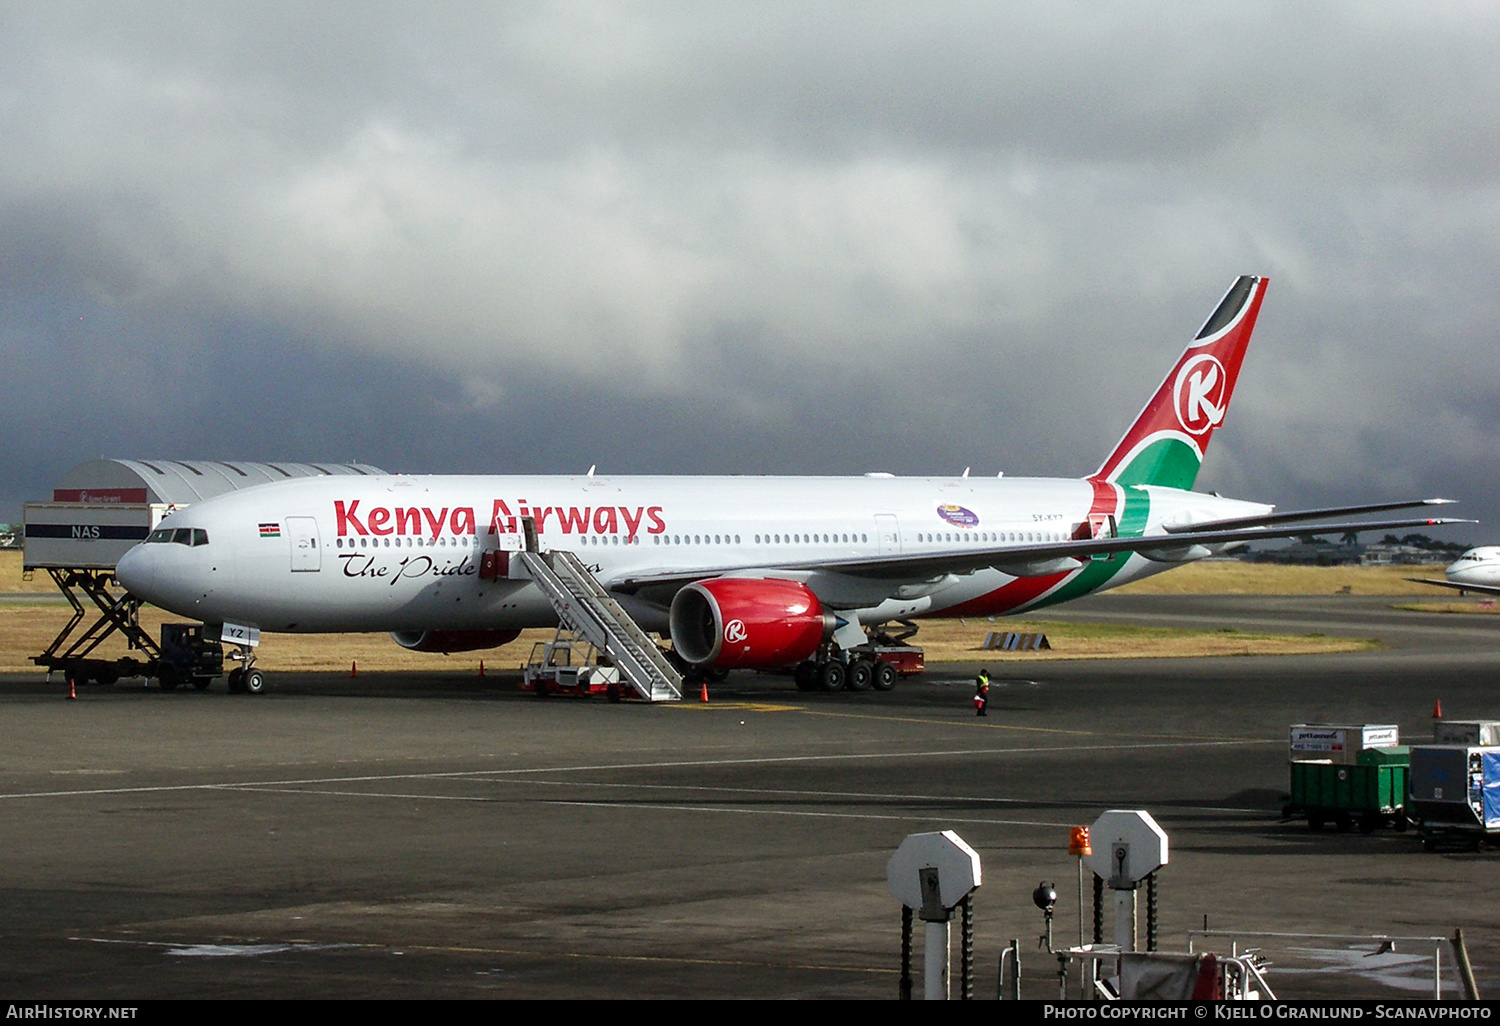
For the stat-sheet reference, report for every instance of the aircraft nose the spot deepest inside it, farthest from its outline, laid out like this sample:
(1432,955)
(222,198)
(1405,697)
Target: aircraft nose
(137,571)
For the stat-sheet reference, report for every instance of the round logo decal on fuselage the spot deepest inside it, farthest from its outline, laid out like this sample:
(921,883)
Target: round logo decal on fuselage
(958,516)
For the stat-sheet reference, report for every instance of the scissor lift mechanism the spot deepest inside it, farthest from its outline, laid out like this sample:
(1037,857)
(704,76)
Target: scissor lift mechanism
(186,654)
(120,613)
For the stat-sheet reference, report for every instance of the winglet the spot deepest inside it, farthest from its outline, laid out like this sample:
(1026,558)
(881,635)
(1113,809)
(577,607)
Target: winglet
(1165,445)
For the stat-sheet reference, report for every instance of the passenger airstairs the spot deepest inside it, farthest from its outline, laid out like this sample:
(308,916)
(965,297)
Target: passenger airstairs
(584,606)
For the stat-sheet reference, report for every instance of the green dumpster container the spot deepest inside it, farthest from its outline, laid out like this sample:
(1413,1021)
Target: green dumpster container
(1369,793)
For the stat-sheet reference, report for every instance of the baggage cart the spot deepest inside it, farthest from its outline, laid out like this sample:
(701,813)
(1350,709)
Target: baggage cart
(1370,794)
(570,668)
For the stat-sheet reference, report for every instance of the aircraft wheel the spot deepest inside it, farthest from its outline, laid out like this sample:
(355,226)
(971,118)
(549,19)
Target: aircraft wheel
(718,674)
(236,681)
(201,683)
(860,676)
(254,682)
(885,676)
(806,675)
(831,676)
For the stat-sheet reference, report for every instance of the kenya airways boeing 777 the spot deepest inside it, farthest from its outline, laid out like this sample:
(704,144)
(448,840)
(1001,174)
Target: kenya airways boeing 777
(739,572)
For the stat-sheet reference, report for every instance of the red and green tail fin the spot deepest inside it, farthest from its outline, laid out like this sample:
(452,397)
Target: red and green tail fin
(1165,445)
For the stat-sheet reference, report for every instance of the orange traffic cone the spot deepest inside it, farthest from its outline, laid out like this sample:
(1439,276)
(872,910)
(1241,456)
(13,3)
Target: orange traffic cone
(704,696)
(1437,709)
(353,670)
(73,690)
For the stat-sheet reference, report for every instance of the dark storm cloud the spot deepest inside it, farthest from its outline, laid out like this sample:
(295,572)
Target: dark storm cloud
(758,238)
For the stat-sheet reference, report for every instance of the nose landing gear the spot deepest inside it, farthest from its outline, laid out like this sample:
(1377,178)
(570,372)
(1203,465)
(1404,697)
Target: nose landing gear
(246,679)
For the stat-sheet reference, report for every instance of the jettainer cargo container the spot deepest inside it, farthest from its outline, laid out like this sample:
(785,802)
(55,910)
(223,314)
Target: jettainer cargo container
(1339,742)
(1466,732)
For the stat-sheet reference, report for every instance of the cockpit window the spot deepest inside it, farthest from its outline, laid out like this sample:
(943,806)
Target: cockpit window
(190,536)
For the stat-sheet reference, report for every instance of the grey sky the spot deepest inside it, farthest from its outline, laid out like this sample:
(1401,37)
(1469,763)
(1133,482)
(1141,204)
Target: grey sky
(748,238)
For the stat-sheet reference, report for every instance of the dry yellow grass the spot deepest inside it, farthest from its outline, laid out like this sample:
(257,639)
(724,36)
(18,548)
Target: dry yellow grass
(1480,605)
(12,581)
(958,641)
(26,630)
(1231,577)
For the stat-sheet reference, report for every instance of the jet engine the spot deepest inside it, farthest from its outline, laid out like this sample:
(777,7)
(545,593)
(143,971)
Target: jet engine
(748,623)
(452,641)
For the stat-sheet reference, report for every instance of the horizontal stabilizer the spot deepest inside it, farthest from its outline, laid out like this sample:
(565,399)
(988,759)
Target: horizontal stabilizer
(1268,519)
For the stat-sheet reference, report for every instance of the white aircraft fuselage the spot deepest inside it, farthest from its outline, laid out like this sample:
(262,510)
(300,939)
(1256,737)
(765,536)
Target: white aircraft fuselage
(404,553)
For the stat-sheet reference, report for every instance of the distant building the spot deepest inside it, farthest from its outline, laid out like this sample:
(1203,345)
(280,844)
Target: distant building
(1400,554)
(1313,552)
(1322,552)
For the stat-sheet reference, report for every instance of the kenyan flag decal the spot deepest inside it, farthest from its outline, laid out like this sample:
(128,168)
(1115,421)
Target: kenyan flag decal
(270,530)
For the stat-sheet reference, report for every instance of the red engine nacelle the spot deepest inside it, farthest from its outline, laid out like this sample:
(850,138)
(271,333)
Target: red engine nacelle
(452,641)
(748,623)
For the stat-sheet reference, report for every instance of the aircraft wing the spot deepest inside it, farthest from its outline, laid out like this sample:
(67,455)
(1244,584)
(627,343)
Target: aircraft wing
(1478,589)
(1036,560)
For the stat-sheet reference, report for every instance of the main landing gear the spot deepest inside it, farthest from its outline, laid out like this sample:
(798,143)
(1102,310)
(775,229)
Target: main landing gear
(883,659)
(858,674)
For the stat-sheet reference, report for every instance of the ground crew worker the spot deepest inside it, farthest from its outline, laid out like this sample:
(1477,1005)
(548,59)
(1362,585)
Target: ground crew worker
(981,692)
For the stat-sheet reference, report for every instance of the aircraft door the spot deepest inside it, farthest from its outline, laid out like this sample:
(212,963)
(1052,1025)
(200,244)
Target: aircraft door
(307,553)
(887,533)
